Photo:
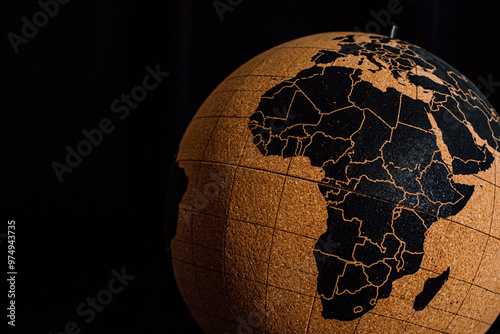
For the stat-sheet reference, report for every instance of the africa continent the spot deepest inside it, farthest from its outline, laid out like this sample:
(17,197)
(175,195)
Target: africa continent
(390,125)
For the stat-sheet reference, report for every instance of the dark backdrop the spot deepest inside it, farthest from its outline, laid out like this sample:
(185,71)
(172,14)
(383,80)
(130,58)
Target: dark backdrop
(108,212)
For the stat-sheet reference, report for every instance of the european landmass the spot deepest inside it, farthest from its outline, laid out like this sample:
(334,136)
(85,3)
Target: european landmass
(390,124)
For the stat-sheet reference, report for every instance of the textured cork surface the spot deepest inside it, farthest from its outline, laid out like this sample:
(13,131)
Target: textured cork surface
(255,248)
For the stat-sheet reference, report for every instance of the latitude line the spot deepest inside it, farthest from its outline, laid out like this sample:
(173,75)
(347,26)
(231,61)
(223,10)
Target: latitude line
(336,187)
(315,294)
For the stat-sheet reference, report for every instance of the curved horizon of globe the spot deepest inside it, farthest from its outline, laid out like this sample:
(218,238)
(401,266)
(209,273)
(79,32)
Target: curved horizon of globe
(382,189)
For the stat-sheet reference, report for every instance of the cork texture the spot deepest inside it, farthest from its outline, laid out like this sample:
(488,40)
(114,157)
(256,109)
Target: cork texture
(255,248)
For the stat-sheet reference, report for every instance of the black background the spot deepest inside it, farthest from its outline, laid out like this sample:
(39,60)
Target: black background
(109,212)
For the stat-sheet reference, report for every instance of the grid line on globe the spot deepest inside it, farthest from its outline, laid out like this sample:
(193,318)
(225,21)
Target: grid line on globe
(246,250)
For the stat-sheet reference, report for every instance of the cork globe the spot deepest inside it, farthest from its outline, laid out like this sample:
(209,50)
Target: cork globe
(341,183)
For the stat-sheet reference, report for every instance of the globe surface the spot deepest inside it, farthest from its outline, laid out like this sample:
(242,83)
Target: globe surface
(341,183)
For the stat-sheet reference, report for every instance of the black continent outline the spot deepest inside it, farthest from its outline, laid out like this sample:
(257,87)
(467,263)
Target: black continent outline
(386,180)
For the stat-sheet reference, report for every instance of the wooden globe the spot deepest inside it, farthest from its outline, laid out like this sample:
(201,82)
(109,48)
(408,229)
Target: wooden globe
(341,183)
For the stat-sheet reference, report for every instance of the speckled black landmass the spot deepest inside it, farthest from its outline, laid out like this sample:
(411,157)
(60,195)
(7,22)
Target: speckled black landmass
(386,180)
(431,288)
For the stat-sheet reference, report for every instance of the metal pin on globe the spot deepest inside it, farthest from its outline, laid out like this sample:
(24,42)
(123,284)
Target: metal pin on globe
(394,30)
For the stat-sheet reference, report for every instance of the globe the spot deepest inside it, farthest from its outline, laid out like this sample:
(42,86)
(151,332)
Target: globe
(341,183)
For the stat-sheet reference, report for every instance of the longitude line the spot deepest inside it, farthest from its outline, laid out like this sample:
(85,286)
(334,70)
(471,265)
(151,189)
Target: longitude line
(482,256)
(272,239)
(196,189)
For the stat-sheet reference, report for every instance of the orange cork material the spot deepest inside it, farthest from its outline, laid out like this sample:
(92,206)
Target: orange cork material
(341,183)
